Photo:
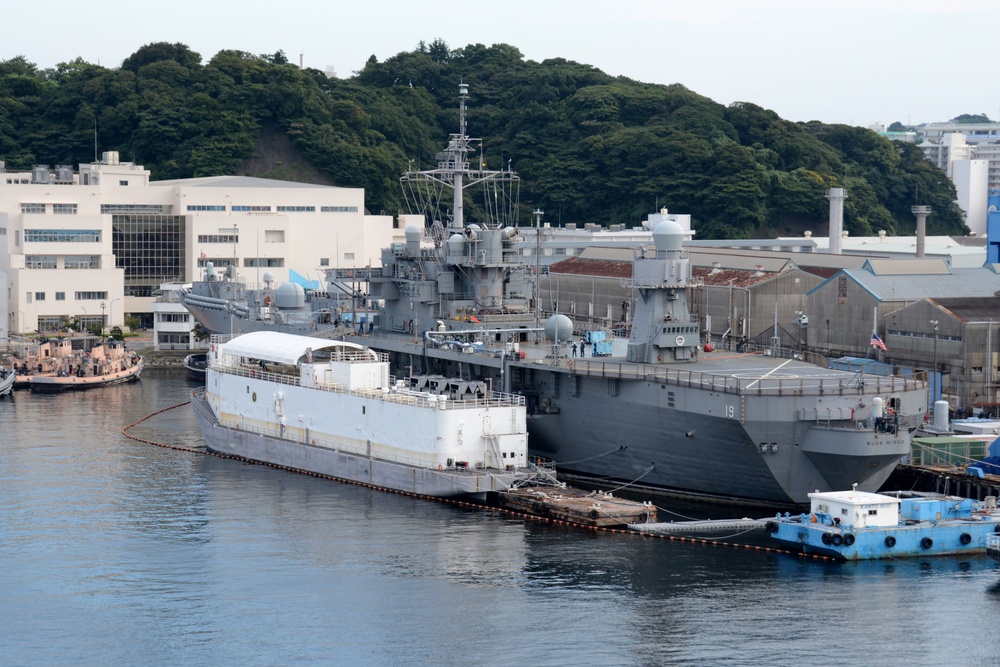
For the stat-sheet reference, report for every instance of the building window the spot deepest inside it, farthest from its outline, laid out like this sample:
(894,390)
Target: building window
(132,208)
(62,235)
(218,238)
(152,249)
(32,208)
(60,296)
(338,209)
(217,262)
(39,296)
(274,236)
(205,207)
(50,324)
(296,209)
(173,317)
(264,262)
(324,261)
(64,209)
(349,256)
(39,262)
(82,262)
(90,296)
(248,209)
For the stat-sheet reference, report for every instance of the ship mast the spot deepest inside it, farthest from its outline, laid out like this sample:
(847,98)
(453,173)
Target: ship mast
(423,190)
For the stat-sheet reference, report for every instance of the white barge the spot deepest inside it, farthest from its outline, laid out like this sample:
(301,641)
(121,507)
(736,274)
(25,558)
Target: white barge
(331,407)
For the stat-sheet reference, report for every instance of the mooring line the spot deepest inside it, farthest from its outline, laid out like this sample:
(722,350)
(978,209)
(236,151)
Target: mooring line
(459,503)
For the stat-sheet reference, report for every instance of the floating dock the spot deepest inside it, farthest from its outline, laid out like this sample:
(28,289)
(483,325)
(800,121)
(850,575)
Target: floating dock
(588,508)
(703,526)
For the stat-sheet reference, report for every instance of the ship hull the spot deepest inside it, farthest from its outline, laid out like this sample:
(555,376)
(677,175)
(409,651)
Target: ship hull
(675,437)
(55,384)
(320,460)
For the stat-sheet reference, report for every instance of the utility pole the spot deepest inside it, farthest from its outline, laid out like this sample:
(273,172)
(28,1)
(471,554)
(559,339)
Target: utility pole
(936,384)
(538,213)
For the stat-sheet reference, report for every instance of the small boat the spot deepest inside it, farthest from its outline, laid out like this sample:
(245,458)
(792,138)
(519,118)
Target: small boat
(105,364)
(331,408)
(589,508)
(7,378)
(858,525)
(196,365)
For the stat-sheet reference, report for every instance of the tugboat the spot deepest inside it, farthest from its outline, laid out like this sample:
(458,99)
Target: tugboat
(856,525)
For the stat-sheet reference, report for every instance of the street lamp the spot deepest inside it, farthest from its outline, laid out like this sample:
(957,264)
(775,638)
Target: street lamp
(936,385)
(102,317)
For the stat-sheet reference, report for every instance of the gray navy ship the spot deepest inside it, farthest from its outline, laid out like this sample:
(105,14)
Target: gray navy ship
(655,412)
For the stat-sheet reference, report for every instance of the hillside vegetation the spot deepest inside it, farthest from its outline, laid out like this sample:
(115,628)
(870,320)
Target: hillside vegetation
(589,147)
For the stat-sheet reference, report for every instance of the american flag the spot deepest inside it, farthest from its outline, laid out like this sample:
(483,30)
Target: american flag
(877,342)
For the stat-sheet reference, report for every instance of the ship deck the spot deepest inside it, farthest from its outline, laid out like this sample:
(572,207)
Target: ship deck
(724,371)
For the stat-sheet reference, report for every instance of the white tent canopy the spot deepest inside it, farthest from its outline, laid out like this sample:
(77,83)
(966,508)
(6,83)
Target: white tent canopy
(281,348)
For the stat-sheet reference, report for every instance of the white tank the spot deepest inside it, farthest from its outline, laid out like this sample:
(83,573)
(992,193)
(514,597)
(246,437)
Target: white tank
(877,407)
(941,415)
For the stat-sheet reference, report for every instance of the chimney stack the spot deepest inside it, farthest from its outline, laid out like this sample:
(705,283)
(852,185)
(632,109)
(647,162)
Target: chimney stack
(921,212)
(836,197)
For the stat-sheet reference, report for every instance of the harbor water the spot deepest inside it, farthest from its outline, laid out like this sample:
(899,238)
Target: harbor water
(116,552)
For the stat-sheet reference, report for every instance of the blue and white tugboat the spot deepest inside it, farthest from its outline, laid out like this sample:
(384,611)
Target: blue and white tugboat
(858,525)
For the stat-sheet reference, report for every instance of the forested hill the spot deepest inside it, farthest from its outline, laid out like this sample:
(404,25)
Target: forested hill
(589,147)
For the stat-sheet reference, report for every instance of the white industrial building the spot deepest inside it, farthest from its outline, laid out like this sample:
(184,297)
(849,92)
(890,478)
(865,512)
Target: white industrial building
(970,154)
(96,245)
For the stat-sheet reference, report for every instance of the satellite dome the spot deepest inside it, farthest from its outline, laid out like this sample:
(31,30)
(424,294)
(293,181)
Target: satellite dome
(413,234)
(668,235)
(558,327)
(290,295)
(268,277)
(456,243)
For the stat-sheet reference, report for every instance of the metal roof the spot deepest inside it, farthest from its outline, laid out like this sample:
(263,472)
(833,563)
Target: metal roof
(583,266)
(898,267)
(769,262)
(238,182)
(977,282)
(279,347)
(737,277)
(971,309)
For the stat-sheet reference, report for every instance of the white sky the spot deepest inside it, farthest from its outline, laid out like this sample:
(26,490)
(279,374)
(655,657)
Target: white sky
(852,61)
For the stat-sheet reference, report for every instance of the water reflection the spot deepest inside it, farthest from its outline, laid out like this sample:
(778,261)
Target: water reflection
(117,552)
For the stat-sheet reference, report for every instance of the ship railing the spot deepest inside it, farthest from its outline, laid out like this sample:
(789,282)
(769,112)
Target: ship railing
(805,386)
(489,399)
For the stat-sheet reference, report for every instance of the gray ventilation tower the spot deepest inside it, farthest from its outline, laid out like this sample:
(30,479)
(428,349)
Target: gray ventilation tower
(836,197)
(921,212)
